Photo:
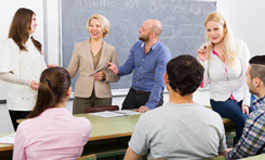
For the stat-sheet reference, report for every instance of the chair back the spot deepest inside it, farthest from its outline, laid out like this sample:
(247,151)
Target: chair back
(101,109)
(215,158)
(88,157)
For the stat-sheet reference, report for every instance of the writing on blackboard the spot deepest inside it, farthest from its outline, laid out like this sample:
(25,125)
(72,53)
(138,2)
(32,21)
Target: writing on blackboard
(132,4)
(176,6)
(97,3)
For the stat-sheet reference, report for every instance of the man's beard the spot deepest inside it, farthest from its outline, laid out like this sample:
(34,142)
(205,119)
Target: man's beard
(144,39)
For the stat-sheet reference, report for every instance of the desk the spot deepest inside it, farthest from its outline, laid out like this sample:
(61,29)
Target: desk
(102,129)
(257,157)
(115,127)
(5,147)
(106,128)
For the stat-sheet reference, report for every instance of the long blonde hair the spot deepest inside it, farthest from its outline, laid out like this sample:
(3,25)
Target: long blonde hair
(230,49)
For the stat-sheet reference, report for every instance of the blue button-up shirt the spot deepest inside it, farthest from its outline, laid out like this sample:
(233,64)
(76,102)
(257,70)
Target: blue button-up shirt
(148,69)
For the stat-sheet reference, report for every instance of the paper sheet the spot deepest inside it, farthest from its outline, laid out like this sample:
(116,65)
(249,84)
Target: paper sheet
(9,139)
(119,113)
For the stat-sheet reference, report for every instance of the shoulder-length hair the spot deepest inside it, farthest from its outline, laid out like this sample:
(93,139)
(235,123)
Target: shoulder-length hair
(54,83)
(105,24)
(230,49)
(19,29)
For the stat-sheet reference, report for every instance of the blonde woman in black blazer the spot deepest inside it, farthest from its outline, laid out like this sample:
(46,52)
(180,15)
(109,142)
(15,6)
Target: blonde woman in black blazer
(90,58)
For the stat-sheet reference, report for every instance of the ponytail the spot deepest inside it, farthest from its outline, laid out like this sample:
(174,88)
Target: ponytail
(37,44)
(54,83)
(45,99)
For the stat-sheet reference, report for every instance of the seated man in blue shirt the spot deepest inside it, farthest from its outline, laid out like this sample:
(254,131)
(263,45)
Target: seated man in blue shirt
(252,141)
(148,58)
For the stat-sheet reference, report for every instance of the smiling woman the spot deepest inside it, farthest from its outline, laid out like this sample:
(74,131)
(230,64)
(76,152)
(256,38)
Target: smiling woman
(21,64)
(90,58)
(33,25)
(225,61)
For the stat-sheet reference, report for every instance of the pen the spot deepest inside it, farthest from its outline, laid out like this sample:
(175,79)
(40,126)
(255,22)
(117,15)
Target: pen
(100,69)
(207,44)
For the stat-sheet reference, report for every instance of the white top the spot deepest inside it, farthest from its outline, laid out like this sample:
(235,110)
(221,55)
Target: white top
(179,131)
(28,65)
(223,83)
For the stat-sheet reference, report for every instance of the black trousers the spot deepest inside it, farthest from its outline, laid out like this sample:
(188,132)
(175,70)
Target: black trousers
(14,115)
(135,99)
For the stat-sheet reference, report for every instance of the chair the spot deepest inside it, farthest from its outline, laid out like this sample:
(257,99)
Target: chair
(256,157)
(88,157)
(101,109)
(215,158)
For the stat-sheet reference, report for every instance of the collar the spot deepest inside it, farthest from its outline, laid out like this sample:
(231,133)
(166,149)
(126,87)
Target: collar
(154,46)
(259,103)
(55,111)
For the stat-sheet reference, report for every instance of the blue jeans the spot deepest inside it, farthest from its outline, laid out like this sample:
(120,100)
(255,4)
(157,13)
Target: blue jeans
(231,110)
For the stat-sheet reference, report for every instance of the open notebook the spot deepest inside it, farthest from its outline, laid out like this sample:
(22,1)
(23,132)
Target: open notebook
(8,139)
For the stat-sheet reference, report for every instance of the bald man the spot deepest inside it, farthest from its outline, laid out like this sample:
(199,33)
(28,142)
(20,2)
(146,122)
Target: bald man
(148,59)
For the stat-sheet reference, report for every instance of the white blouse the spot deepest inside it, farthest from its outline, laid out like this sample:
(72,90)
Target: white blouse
(233,81)
(27,65)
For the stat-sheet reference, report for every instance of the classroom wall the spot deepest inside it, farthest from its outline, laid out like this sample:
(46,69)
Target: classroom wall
(242,14)
(245,18)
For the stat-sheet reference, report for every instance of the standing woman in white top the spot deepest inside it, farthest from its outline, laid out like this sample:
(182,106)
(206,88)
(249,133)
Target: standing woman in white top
(225,61)
(21,64)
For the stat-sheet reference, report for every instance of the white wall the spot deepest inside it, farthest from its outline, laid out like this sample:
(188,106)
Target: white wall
(246,20)
(51,29)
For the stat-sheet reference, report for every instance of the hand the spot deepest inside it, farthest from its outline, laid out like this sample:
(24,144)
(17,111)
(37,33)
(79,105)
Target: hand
(34,85)
(228,150)
(202,54)
(113,68)
(245,109)
(52,65)
(99,76)
(142,109)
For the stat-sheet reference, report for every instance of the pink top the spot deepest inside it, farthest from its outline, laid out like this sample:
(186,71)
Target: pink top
(53,135)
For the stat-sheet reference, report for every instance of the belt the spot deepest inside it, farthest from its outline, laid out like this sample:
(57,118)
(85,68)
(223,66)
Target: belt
(141,92)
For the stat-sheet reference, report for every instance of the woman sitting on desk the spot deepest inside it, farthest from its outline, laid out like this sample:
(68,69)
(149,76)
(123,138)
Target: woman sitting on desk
(225,61)
(90,57)
(51,132)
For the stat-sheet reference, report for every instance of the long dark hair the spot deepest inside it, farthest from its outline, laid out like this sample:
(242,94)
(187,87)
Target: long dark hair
(19,28)
(54,83)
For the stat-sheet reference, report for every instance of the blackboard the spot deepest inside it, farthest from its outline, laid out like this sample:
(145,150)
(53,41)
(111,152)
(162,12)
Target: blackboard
(182,20)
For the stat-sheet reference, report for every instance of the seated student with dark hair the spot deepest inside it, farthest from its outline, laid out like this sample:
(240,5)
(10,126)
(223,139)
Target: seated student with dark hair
(252,141)
(181,128)
(51,132)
